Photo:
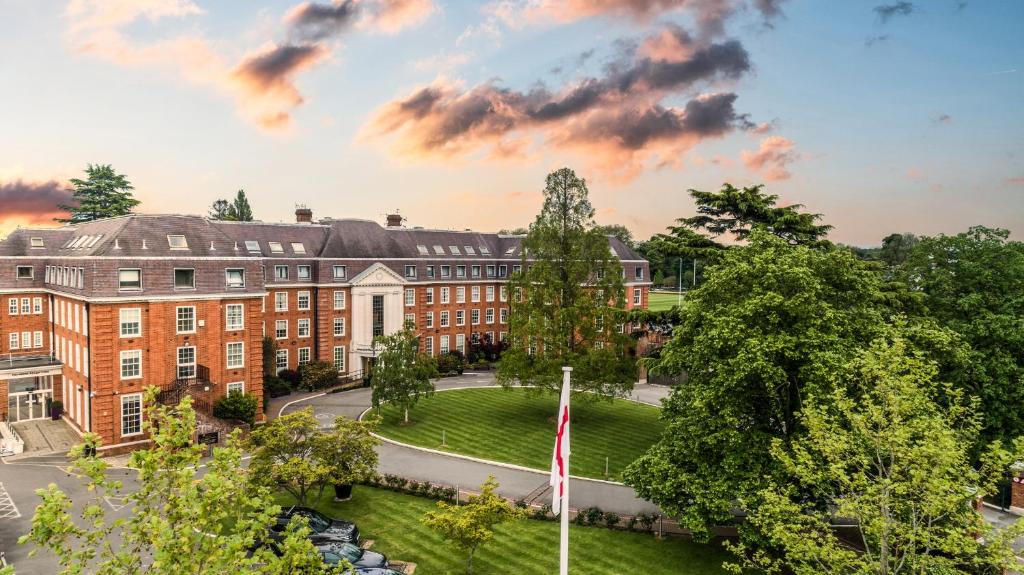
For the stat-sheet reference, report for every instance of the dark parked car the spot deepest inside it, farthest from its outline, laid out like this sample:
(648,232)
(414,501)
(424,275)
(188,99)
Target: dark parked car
(360,558)
(324,529)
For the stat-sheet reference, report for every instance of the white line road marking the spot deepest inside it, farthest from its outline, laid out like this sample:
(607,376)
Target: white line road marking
(116,503)
(8,510)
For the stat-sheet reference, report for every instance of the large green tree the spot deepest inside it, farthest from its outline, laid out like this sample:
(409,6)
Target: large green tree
(180,524)
(973,283)
(769,326)
(104,193)
(893,466)
(566,306)
(400,373)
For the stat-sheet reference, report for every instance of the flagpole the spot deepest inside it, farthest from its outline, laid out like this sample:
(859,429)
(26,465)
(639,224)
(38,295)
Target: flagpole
(564,554)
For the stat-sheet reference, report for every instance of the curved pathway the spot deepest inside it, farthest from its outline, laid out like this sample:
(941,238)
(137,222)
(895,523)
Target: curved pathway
(420,465)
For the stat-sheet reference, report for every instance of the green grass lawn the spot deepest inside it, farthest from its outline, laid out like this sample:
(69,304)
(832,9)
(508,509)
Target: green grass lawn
(526,547)
(514,426)
(661,300)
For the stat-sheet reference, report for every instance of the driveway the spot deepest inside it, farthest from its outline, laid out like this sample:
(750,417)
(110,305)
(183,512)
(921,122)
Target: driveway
(517,483)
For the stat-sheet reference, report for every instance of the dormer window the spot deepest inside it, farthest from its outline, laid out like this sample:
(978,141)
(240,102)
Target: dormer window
(36,242)
(252,246)
(25,272)
(469,250)
(339,272)
(129,279)
(276,247)
(423,250)
(177,242)
(298,248)
(438,250)
(510,251)
(455,250)
(485,250)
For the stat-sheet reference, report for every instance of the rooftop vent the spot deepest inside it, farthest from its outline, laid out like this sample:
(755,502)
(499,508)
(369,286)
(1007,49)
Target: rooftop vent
(303,215)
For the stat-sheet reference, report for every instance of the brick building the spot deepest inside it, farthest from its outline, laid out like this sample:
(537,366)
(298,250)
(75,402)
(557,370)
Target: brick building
(92,313)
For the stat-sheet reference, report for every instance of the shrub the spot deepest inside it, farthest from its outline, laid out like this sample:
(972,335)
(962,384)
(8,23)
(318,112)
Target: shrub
(317,375)
(521,504)
(291,376)
(395,482)
(236,406)
(611,519)
(451,363)
(647,521)
(594,515)
(631,523)
(275,387)
(542,513)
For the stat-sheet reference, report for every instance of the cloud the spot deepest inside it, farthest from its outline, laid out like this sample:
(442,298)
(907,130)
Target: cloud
(32,203)
(943,119)
(886,12)
(772,158)
(617,121)
(1017,181)
(914,174)
(876,39)
(260,82)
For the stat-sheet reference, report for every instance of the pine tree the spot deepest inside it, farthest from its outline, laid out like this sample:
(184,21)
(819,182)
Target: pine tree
(567,301)
(240,208)
(103,194)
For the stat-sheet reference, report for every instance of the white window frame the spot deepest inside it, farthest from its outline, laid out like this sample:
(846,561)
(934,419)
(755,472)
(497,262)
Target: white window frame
(240,345)
(460,294)
(278,355)
(277,329)
(235,386)
(339,322)
(303,351)
(302,327)
(129,354)
(428,296)
(460,317)
(280,301)
(229,324)
(445,319)
(474,294)
(446,294)
(131,398)
(489,316)
(474,317)
(37,305)
(299,297)
(120,282)
(126,322)
(410,297)
(428,320)
(338,355)
(228,272)
(339,272)
(444,348)
(178,364)
(339,299)
(637,295)
(178,320)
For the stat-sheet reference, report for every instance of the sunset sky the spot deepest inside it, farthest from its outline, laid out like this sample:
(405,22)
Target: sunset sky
(885,116)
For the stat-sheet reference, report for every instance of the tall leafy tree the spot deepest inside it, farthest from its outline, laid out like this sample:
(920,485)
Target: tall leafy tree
(973,283)
(400,373)
(567,301)
(619,231)
(181,524)
(221,210)
(104,193)
(896,466)
(770,325)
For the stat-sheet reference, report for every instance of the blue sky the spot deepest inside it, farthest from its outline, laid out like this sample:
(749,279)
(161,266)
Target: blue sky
(910,122)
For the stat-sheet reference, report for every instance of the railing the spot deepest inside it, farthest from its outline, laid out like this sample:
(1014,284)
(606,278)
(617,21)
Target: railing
(193,386)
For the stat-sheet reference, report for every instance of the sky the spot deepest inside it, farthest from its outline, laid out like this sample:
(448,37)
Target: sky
(885,116)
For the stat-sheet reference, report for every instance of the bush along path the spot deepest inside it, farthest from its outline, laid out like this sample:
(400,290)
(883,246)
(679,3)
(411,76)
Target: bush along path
(418,465)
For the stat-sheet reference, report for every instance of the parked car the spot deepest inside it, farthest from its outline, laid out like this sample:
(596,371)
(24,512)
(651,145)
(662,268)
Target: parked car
(375,571)
(324,529)
(360,558)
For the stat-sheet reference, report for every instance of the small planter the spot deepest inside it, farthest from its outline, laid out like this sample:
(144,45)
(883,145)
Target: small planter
(56,409)
(343,492)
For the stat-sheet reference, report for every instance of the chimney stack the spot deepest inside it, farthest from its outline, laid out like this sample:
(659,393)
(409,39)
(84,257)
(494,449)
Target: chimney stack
(395,220)
(303,215)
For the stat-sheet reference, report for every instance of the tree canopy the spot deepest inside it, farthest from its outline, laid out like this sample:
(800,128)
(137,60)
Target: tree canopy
(400,373)
(104,193)
(237,210)
(567,302)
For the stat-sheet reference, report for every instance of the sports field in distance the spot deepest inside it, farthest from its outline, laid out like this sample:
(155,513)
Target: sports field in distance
(658,301)
(516,426)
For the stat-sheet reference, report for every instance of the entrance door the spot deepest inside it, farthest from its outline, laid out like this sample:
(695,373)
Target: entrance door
(25,401)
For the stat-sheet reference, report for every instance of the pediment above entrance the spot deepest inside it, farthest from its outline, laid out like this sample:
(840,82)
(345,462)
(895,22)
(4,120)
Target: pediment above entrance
(378,275)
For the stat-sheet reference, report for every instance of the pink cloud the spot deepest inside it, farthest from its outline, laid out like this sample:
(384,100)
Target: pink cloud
(392,16)
(772,158)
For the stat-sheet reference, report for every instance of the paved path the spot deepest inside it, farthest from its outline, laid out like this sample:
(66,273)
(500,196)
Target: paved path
(421,465)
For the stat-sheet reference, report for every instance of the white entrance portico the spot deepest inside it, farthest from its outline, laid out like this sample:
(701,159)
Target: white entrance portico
(377,302)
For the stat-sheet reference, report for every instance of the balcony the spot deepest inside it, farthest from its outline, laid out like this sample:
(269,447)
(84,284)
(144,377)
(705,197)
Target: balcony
(198,386)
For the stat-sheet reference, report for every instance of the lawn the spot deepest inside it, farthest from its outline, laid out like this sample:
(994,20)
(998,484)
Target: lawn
(658,301)
(515,426)
(526,547)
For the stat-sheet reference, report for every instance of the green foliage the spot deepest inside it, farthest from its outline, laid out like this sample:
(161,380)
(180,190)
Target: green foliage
(895,466)
(293,453)
(317,375)
(103,194)
(237,406)
(269,357)
(451,362)
(401,374)
(237,210)
(973,284)
(471,525)
(181,523)
(770,326)
(619,231)
(568,299)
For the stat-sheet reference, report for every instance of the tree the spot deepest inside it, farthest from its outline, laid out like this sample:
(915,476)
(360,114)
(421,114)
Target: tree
(619,231)
(318,375)
(103,194)
(237,210)
(769,326)
(513,231)
(400,373)
(896,467)
(471,525)
(349,450)
(736,212)
(973,284)
(896,248)
(181,523)
(286,454)
(568,299)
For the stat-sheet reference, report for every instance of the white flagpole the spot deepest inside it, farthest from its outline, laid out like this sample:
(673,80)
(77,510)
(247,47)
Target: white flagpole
(564,554)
